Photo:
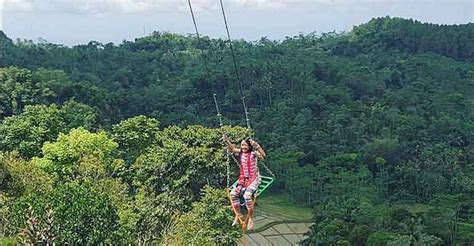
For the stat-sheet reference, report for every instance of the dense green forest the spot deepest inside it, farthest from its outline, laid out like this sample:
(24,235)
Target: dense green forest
(373,129)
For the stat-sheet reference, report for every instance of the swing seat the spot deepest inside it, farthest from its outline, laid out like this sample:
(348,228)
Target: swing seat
(266,182)
(264,185)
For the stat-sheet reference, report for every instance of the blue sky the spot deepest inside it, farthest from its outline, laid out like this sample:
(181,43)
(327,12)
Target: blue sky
(79,21)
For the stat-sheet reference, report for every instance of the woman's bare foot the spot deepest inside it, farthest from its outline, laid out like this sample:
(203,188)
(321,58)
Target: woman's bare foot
(238,218)
(250,223)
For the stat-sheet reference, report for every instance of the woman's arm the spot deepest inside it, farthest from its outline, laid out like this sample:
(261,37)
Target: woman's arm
(259,150)
(230,146)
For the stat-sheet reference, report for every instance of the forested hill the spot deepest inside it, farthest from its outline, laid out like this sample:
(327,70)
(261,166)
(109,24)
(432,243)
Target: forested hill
(412,37)
(303,80)
(374,128)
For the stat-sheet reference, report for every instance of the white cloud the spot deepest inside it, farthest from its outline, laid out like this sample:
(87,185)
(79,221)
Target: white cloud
(131,6)
(141,6)
(19,5)
(92,6)
(263,4)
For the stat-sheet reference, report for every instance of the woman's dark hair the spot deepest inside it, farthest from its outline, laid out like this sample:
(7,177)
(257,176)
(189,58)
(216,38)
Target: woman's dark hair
(247,140)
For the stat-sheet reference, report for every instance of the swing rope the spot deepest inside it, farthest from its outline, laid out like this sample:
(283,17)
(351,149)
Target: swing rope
(237,74)
(221,125)
(236,68)
(243,223)
(199,42)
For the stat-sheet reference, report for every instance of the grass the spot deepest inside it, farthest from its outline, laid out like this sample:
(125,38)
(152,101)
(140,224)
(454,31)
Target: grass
(281,206)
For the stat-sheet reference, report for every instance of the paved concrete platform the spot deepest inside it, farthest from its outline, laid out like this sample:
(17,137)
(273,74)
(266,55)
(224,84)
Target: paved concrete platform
(269,231)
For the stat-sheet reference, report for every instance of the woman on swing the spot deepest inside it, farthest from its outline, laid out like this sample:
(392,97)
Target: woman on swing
(249,178)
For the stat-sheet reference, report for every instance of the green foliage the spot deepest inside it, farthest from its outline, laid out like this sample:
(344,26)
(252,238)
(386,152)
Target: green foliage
(134,135)
(183,160)
(447,217)
(301,182)
(411,240)
(77,115)
(436,170)
(208,222)
(281,164)
(359,235)
(20,177)
(155,215)
(381,238)
(89,158)
(56,80)
(26,132)
(341,162)
(17,89)
(373,128)
(80,215)
(340,220)
(381,153)
(8,241)
(170,174)
(466,233)
(80,154)
(413,36)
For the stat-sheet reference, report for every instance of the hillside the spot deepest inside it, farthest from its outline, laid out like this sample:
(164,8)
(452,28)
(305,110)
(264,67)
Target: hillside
(373,129)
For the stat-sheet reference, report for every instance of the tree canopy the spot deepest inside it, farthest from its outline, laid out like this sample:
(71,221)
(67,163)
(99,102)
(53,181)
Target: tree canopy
(372,128)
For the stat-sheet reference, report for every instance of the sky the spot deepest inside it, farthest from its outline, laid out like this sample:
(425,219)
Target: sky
(72,22)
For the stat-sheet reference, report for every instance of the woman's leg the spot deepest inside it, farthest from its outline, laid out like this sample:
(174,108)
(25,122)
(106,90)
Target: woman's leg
(235,197)
(249,192)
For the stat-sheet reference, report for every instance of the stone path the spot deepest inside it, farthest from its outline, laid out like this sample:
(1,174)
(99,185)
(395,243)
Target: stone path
(274,231)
